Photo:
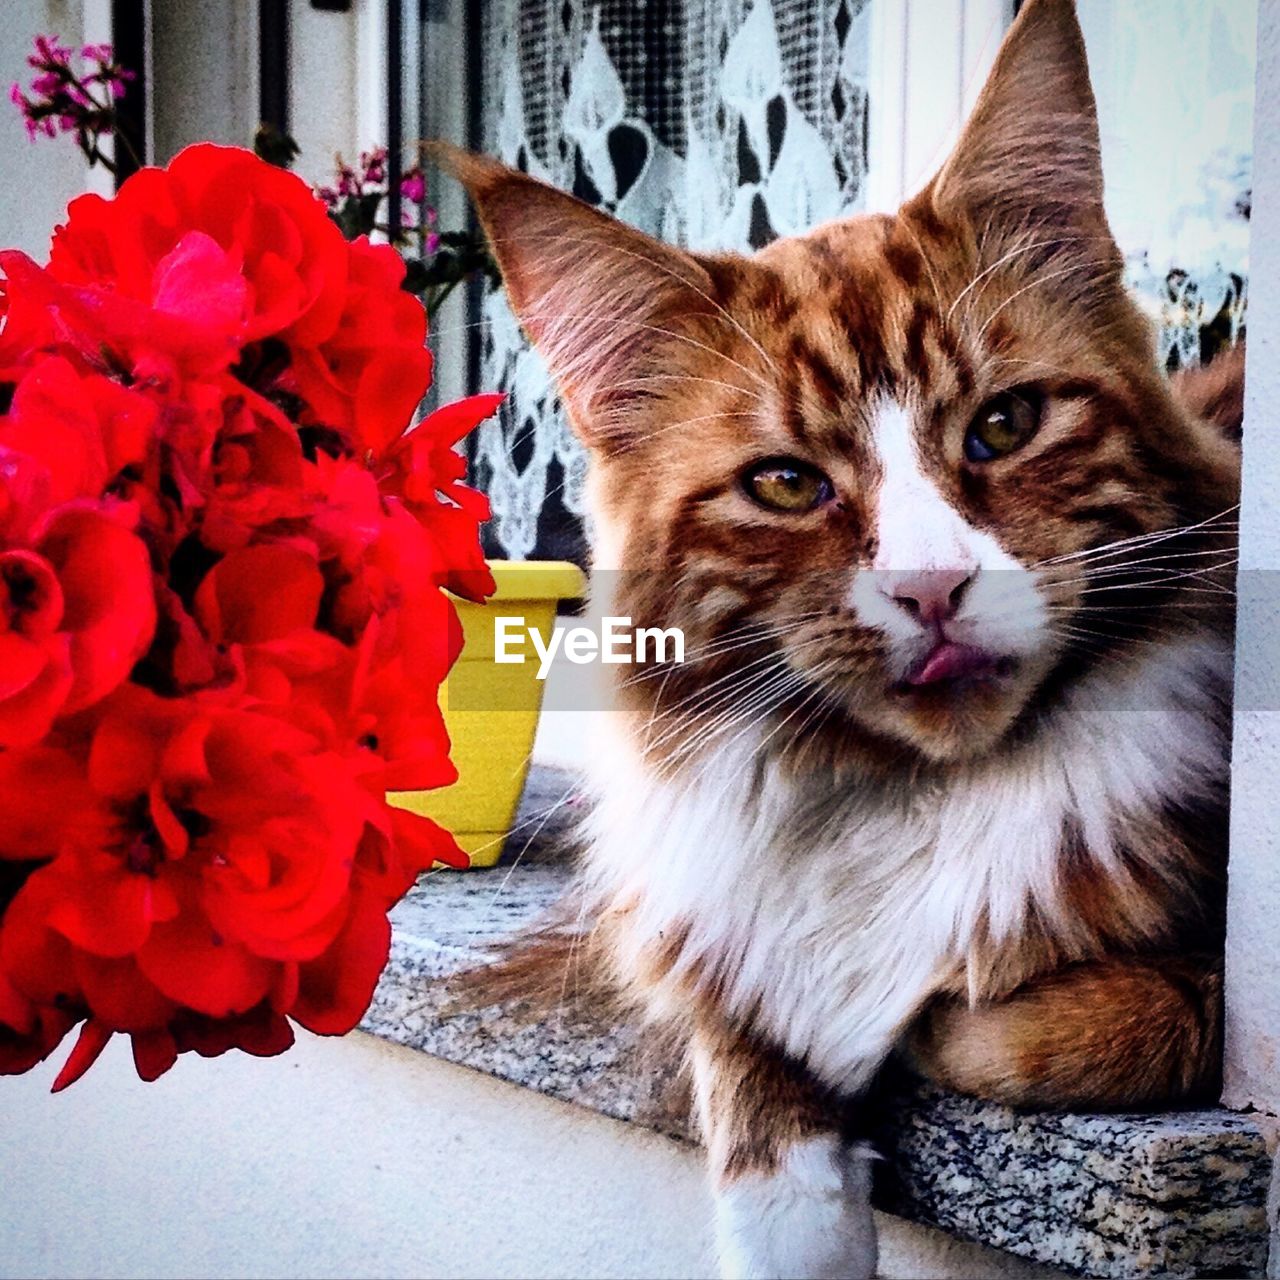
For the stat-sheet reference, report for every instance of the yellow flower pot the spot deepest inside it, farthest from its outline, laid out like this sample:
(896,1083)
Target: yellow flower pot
(491,710)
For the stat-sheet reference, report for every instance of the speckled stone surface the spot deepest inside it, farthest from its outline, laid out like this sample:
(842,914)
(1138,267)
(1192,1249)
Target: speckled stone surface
(1180,1194)
(1174,1195)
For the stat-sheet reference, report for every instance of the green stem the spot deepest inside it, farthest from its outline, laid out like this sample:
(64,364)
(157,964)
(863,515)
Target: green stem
(89,148)
(107,110)
(119,134)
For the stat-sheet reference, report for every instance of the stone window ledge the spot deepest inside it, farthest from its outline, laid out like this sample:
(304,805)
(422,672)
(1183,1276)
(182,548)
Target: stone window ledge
(1179,1194)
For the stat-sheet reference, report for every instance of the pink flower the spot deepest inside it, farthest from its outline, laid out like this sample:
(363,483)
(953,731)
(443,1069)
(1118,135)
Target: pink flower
(61,98)
(49,51)
(413,186)
(374,164)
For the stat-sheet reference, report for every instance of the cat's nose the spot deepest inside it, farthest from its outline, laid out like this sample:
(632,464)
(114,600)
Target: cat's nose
(930,596)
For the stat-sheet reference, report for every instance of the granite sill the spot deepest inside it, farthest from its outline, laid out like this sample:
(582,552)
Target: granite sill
(1180,1194)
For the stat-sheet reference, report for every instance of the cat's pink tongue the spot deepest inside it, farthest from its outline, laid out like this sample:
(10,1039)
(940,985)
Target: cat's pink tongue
(950,661)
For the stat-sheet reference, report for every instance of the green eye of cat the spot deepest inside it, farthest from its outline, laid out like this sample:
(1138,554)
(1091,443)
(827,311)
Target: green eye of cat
(1002,425)
(787,484)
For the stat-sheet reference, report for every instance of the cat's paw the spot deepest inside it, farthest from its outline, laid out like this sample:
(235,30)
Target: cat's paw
(808,1219)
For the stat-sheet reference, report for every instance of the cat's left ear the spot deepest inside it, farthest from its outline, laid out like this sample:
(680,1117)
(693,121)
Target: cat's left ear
(602,302)
(1029,158)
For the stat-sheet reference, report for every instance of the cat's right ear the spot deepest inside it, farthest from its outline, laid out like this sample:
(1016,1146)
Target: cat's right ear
(1028,164)
(595,295)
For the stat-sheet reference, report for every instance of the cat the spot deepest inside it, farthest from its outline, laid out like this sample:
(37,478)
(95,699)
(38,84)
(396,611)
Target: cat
(945,768)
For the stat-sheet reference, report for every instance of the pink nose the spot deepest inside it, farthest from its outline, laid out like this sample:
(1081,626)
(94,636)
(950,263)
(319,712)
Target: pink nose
(929,595)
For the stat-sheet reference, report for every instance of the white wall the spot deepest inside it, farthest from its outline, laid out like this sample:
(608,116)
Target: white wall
(206,78)
(929,61)
(324,84)
(36,178)
(204,67)
(1253,939)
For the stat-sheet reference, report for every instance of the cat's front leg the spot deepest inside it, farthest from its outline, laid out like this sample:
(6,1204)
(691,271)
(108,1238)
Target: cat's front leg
(792,1192)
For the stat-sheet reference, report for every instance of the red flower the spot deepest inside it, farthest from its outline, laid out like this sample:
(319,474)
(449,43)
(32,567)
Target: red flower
(223,619)
(367,377)
(213,210)
(80,430)
(76,612)
(422,466)
(208,861)
(258,594)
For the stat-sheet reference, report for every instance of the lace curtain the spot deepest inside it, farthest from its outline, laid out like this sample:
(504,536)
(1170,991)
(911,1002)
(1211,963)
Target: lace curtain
(722,123)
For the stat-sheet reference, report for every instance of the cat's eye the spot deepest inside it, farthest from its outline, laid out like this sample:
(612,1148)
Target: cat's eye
(787,484)
(1002,425)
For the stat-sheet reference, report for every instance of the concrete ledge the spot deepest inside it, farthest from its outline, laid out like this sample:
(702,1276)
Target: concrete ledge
(1174,1195)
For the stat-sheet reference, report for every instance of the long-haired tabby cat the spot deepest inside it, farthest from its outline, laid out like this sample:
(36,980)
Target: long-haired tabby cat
(945,766)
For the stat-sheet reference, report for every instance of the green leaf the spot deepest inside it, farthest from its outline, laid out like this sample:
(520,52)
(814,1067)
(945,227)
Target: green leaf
(357,215)
(275,146)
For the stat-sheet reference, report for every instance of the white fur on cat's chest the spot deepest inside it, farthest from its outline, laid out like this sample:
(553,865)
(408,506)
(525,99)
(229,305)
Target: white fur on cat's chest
(836,941)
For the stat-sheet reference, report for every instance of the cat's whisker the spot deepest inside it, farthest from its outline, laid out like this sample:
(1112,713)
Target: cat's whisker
(1213,524)
(814,691)
(823,712)
(774,690)
(709,698)
(565,798)
(602,318)
(1140,578)
(905,225)
(1149,584)
(1016,251)
(1125,566)
(1164,598)
(666,670)
(762,710)
(635,441)
(721,714)
(546,816)
(1045,365)
(1039,282)
(1110,644)
(739,638)
(707,704)
(643,380)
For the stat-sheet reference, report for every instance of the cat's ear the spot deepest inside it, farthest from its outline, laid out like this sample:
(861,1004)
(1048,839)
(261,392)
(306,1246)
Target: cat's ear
(595,295)
(1029,159)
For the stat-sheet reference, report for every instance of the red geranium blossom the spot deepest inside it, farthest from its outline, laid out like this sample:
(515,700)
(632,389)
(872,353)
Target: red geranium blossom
(76,613)
(223,619)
